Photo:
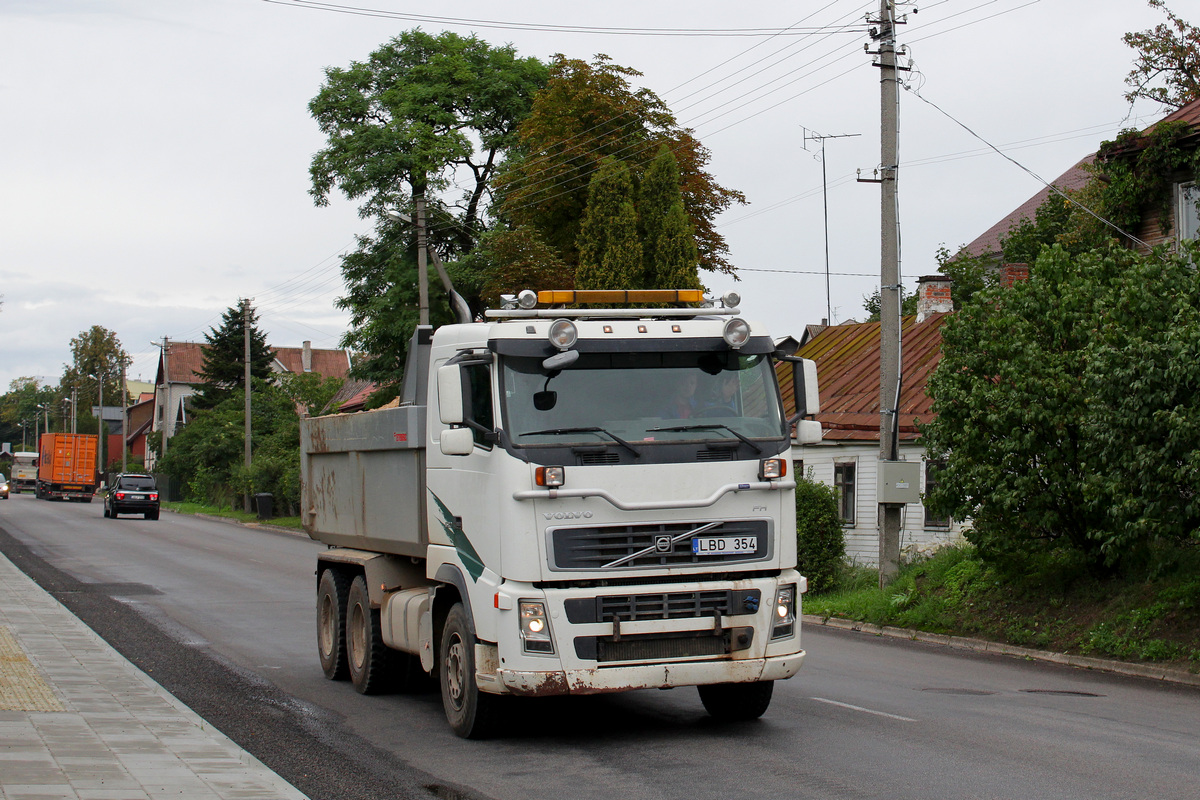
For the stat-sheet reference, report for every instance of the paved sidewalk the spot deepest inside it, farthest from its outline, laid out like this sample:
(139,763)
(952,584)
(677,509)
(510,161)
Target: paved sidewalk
(79,721)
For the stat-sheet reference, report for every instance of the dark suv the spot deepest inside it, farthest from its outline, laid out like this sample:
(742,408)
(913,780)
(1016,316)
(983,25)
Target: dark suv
(132,493)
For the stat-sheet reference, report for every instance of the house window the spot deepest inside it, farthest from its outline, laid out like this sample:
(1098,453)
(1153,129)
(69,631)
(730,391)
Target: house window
(798,469)
(1187,217)
(843,481)
(932,468)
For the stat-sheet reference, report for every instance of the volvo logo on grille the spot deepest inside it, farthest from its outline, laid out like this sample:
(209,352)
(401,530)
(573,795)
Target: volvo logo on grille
(568,515)
(662,544)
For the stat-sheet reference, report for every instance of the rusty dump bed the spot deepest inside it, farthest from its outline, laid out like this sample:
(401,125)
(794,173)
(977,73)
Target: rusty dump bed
(363,480)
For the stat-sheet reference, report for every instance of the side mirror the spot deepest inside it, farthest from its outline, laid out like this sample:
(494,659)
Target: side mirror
(804,386)
(808,431)
(450,395)
(457,442)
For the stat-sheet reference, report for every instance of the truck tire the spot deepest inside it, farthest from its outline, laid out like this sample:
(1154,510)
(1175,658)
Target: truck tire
(333,593)
(370,660)
(470,712)
(736,702)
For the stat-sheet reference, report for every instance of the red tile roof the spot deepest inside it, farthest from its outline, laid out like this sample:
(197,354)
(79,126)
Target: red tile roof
(186,359)
(847,358)
(326,363)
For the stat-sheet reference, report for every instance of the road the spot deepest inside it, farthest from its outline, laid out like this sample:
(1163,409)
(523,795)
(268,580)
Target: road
(222,616)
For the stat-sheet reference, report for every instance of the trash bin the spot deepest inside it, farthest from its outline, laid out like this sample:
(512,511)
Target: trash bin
(264,502)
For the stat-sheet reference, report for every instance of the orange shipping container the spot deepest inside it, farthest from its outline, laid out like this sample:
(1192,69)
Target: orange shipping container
(67,464)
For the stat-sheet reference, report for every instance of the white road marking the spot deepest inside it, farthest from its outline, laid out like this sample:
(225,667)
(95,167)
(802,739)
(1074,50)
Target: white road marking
(864,710)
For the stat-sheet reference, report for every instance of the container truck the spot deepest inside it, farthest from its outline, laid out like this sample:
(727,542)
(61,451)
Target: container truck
(24,472)
(67,466)
(576,495)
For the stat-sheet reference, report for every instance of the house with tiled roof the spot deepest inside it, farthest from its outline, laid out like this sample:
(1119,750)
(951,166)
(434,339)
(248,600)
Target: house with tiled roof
(847,358)
(1180,221)
(179,375)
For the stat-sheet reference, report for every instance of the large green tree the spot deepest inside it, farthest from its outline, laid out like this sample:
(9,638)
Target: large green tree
(421,115)
(413,112)
(21,404)
(589,112)
(96,355)
(669,250)
(223,372)
(610,254)
(1167,67)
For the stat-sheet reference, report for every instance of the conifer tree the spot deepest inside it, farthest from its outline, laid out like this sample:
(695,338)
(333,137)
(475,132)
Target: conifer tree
(669,247)
(224,370)
(610,254)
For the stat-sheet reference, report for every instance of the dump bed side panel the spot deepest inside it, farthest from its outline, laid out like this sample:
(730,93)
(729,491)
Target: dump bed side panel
(363,480)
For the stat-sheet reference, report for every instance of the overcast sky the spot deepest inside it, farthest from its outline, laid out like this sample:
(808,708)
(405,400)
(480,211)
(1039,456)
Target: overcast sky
(154,155)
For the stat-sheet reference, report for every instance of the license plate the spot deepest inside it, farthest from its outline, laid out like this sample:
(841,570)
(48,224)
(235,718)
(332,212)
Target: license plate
(724,545)
(137,497)
(72,488)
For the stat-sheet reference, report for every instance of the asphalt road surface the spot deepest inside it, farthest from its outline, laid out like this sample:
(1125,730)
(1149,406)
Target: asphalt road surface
(222,616)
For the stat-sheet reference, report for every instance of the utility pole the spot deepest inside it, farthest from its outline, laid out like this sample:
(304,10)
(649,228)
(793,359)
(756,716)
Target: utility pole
(100,423)
(422,264)
(246,340)
(889,291)
(124,421)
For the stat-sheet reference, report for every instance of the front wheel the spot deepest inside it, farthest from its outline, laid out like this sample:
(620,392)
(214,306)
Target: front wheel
(470,712)
(736,702)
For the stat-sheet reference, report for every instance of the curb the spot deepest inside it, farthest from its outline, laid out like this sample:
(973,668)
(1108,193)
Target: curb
(983,646)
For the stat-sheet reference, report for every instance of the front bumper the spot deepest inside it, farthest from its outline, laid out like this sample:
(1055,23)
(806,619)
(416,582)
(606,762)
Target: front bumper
(648,676)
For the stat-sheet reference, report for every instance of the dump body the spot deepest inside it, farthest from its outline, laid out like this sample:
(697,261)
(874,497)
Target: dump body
(364,480)
(67,466)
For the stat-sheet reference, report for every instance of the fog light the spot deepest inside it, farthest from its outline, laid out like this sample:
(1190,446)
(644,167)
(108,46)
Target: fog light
(785,612)
(535,627)
(550,476)
(771,469)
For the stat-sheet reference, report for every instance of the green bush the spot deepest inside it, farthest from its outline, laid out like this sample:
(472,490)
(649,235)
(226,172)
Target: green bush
(820,543)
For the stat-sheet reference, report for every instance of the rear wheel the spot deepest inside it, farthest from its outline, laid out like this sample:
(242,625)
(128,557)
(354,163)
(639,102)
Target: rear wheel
(470,712)
(333,591)
(370,660)
(734,702)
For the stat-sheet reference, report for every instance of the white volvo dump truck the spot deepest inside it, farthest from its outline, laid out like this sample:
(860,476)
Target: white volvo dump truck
(574,496)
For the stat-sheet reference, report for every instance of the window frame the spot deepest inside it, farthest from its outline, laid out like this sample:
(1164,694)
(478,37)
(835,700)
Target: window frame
(1187,212)
(931,522)
(847,500)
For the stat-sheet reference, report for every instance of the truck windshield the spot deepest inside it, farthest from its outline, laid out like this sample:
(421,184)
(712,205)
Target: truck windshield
(640,398)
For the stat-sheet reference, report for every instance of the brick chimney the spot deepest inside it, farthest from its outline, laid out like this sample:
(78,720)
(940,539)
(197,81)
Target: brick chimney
(306,357)
(1011,273)
(933,296)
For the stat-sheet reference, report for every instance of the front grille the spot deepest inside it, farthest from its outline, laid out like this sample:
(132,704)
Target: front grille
(663,605)
(662,646)
(593,548)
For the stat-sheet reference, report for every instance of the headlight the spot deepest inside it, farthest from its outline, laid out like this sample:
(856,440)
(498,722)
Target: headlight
(784,622)
(550,476)
(535,627)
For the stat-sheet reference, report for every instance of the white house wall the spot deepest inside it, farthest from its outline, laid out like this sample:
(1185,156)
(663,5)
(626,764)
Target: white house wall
(862,538)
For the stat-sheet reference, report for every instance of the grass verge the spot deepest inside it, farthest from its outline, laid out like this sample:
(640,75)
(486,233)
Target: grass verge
(1150,617)
(231,513)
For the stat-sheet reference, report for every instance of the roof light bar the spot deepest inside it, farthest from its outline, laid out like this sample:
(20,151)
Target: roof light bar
(620,296)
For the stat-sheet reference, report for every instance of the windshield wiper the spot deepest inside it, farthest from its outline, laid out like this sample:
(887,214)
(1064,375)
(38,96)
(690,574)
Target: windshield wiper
(708,427)
(613,436)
